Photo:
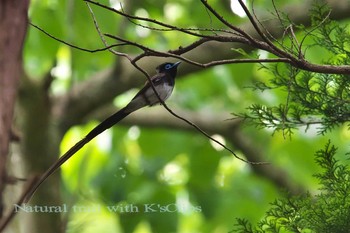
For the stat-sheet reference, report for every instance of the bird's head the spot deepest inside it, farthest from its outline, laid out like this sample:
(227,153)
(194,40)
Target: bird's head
(167,67)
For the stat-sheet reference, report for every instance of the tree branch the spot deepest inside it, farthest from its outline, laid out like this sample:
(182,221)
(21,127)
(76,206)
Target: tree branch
(243,37)
(230,129)
(103,87)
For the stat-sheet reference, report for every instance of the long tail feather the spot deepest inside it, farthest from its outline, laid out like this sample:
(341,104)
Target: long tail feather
(106,124)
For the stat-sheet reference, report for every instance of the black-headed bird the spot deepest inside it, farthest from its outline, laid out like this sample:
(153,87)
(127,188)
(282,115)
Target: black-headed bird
(163,83)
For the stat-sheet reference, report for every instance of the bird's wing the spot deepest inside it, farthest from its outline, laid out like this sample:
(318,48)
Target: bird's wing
(143,97)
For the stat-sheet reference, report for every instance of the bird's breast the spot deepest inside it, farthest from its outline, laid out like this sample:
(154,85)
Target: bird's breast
(164,91)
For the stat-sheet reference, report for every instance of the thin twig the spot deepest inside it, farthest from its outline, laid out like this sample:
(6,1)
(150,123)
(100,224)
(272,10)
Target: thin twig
(283,25)
(6,219)
(194,125)
(74,46)
(255,25)
(130,17)
(243,38)
(148,50)
(313,29)
(225,22)
(102,37)
(268,32)
(277,13)
(272,47)
(213,139)
(295,42)
(165,25)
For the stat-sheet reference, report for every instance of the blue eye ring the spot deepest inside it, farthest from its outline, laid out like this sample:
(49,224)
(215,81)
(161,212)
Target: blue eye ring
(168,66)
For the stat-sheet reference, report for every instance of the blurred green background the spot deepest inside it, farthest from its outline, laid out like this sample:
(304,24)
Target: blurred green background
(132,165)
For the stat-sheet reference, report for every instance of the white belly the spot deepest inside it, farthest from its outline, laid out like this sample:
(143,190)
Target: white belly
(164,91)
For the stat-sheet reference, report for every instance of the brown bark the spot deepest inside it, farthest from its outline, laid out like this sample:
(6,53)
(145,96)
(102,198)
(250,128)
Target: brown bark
(13,26)
(39,147)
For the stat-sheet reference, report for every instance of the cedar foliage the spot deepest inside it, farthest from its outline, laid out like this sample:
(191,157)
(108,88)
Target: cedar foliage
(312,98)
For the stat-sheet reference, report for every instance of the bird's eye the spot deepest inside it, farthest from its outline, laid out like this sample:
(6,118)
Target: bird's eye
(168,66)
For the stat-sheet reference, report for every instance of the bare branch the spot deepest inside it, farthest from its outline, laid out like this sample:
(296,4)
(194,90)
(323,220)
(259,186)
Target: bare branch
(167,26)
(230,129)
(193,124)
(74,46)
(102,37)
(241,37)
(6,219)
(225,22)
(313,29)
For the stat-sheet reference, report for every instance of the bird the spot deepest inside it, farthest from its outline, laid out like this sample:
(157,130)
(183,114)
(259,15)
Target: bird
(163,82)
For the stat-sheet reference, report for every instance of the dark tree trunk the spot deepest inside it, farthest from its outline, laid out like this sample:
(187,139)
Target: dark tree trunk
(13,26)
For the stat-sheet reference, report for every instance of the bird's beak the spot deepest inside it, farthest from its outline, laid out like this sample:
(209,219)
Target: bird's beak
(176,64)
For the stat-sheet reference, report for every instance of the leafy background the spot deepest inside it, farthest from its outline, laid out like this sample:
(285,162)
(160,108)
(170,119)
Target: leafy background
(142,165)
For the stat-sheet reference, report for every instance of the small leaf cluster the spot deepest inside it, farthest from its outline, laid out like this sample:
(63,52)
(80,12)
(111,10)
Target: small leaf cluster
(311,98)
(328,211)
(331,35)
